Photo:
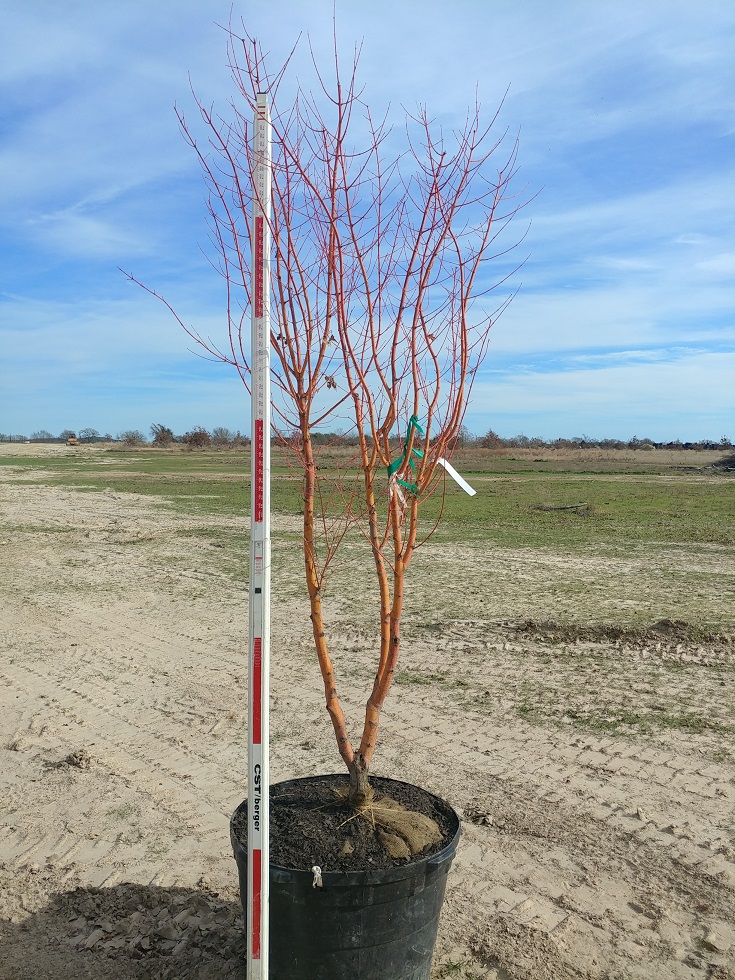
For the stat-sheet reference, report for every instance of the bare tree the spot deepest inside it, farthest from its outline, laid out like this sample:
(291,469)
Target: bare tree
(132,437)
(162,435)
(465,438)
(222,436)
(382,307)
(198,438)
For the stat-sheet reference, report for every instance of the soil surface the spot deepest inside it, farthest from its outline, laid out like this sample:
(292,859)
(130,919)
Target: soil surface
(594,769)
(311,824)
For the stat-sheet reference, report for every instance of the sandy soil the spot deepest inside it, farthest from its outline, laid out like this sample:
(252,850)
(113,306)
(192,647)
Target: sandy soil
(585,853)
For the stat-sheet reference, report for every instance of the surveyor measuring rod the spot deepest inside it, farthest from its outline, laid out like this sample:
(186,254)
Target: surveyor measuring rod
(260,550)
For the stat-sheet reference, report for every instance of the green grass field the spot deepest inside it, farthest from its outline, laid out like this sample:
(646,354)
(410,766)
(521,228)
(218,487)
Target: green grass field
(648,547)
(667,504)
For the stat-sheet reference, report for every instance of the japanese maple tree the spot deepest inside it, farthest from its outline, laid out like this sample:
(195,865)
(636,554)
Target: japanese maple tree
(382,306)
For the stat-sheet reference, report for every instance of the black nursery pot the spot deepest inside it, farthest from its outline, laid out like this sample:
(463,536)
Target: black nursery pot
(360,925)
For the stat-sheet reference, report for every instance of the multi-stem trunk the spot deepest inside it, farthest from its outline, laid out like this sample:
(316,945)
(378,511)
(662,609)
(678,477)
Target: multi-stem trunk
(313,583)
(391,608)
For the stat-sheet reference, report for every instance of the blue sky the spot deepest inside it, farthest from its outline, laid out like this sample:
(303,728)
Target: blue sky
(625,320)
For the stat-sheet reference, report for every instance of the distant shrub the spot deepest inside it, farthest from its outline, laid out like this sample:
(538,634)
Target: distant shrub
(198,438)
(222,436)
(491,440)
(131,437)
(162,435)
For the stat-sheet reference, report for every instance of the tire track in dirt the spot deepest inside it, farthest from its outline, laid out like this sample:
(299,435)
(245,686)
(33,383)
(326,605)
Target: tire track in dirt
(573,855)
(646,890)
(192,796)
(183,753)
(143,744)
(551,863)
(618,892)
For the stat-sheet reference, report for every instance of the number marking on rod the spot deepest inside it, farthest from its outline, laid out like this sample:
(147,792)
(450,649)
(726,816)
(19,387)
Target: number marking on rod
(259,474)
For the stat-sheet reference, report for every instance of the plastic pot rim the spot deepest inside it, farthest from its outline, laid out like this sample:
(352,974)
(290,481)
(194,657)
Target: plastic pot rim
(368,876)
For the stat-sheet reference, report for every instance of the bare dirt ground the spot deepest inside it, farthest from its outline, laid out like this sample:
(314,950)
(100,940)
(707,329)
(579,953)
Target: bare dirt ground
(590,849)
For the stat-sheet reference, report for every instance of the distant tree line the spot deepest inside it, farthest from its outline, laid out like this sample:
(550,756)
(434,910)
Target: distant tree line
(197,438)
(43,435)
(200,438)
(491,440)
(161,435)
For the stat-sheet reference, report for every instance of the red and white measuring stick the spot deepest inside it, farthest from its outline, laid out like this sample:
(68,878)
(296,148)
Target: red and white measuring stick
(260,553)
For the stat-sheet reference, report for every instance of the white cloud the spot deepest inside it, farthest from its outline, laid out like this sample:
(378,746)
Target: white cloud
(617,357)
(690,396)
(83,235)
(74,338)
(624,264)
(719,266)
(692,238)
(115,364)
(612,315)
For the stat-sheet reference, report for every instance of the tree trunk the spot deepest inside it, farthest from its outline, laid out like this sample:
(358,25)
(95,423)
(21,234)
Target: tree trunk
(361,793)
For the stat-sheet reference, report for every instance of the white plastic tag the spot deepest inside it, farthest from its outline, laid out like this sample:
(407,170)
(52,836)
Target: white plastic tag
(456,477)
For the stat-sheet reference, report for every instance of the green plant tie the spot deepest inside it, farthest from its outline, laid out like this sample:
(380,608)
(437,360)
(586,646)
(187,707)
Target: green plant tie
(413,422)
